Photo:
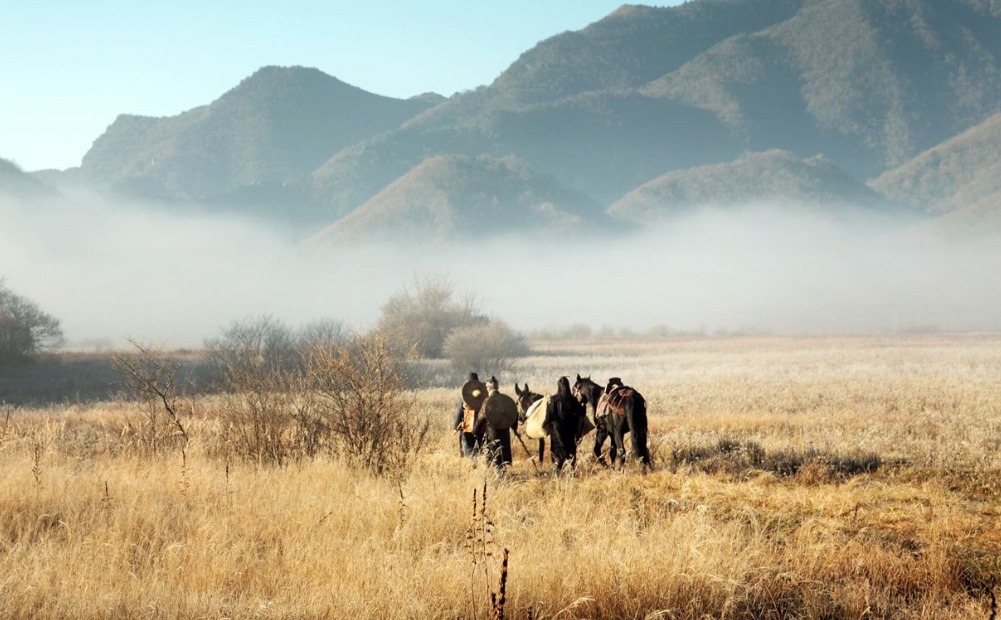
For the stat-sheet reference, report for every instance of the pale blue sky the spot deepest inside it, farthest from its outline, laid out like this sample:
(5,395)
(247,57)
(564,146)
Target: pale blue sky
(68,68)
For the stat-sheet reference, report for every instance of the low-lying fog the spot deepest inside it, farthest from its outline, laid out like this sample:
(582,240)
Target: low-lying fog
(112,272)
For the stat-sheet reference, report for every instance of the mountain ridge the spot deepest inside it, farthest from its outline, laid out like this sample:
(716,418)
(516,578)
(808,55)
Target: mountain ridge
(641,93)
(276,124)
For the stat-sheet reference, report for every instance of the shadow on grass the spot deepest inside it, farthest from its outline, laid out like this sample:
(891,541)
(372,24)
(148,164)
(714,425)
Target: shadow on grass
(736,457)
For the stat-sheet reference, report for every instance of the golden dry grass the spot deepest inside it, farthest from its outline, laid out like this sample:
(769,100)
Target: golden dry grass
(90,528)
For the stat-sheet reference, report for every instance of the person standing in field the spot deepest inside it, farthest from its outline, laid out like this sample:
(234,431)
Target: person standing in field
(471,397)
(497,417)
(564,413)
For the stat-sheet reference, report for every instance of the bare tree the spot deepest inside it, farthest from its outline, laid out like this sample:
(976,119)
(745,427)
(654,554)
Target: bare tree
(25,330)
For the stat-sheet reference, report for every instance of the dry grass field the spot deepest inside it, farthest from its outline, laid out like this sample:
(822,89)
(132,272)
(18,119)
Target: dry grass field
(839,477)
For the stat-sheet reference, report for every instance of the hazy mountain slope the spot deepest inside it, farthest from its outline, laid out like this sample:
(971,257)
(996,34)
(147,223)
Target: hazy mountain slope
(279,123)
(19,185)
(773,177)
(360,171)
(632,46)
(980,219)
(461,197)
(870,84)
(866,84)
(639,93)
(957,174)
(602,144)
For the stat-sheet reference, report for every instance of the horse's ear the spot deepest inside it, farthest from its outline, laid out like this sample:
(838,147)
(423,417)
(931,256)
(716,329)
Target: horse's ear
(516,390)
(526,387)
(578,377)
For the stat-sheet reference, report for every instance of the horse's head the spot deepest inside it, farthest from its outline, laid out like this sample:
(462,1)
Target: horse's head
(525,399)
(586,391)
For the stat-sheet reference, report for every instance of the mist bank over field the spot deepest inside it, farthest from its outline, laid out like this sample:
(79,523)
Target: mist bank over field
(111,272)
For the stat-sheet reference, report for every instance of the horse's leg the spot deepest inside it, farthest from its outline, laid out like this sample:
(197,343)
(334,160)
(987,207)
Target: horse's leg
(618,436)
(600,435)
(570,435)
(542,450)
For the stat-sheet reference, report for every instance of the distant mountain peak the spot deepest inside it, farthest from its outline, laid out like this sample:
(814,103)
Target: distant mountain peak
(273,81)
(774,176)
(449,196)
(275,125)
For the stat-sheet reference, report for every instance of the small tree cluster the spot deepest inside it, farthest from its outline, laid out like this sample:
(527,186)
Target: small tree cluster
(25,330)
(490,348)
(419,319)
(426,322)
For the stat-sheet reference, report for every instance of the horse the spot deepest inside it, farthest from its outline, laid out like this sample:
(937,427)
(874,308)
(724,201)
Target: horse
(627,415)
(526,398)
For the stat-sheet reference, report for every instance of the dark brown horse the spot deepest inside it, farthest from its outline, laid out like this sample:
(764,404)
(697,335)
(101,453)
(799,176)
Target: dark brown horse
(625,415)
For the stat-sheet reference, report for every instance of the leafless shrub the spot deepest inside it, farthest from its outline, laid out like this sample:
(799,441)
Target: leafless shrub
(259,369)
(359,391)
(151,376)
(291,395)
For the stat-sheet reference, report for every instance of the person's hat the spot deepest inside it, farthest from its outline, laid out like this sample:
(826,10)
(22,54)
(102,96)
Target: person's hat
(473,377)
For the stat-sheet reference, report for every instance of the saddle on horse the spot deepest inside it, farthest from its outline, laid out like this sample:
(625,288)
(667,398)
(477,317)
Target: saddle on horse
(615,400)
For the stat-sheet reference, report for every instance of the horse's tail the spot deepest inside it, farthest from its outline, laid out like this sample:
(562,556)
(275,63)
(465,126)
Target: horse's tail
(637,420)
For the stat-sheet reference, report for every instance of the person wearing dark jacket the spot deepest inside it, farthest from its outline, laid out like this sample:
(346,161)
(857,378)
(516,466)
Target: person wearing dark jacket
(465,416)
(496,441)
(564,413)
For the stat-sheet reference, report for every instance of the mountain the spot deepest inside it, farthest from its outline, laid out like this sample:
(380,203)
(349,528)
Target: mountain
(954,175)
(277,124)
(461,197)
(646,97)
(869,84)
(632,46)
(602,144)
(648,90)
(21,186)
(772,177)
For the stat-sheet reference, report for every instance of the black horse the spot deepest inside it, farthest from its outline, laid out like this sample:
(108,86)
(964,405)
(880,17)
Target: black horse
(628,415)
(526,398)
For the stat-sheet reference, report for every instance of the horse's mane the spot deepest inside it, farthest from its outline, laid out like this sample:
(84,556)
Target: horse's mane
(591,387)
